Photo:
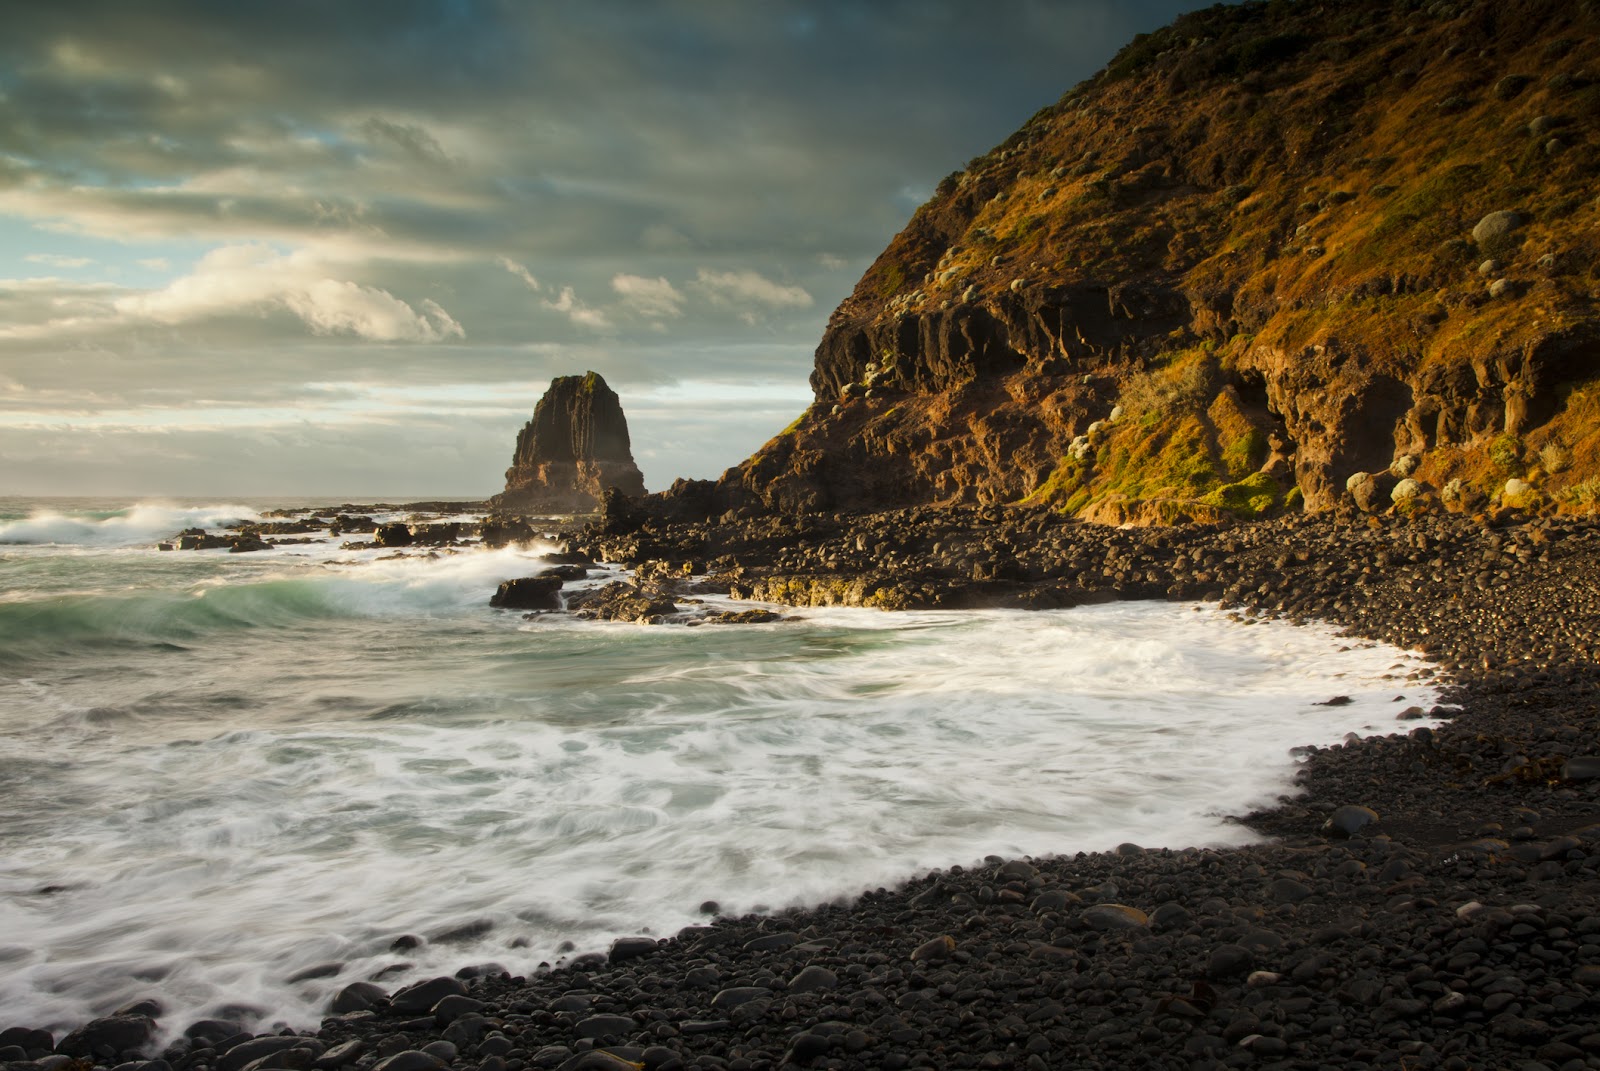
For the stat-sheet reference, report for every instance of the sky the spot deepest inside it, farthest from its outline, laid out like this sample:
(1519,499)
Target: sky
(297,247)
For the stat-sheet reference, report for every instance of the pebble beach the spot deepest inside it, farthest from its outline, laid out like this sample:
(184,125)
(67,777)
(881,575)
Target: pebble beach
(1428,898)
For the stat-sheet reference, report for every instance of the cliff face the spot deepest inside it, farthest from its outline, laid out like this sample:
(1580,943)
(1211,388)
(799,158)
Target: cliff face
(1275,255)
(575,447)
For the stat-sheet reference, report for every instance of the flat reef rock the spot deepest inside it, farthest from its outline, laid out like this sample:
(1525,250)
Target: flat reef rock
(573,450)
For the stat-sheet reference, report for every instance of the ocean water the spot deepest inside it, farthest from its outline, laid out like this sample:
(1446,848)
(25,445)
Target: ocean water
(232,781)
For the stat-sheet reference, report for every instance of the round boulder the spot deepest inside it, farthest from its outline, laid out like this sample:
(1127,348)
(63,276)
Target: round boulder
(1581,768)
(108,1037)
(1497,224)
(1116,917)
(423,996)
(1405,493)
(1346,821)
(1230,961)
(1518,494)
(528,593)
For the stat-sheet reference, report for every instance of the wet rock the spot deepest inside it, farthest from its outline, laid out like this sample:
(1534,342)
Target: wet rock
(28,1039)
(357,996)
(601,1026)
(248,1052)
(1115,917)
(728,999)
(621,601)
(528,593)
(812,979)
(423,996)
(1348,820)
(394,534)
(1581,768)
(805,1047)
(342,1055)
(110,1036)
(409,1060)
(454,1006)
(1289,891)
(1229,961)
(624,949)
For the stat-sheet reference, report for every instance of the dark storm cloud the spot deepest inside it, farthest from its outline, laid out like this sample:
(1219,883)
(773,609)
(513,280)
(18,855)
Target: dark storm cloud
(469,192)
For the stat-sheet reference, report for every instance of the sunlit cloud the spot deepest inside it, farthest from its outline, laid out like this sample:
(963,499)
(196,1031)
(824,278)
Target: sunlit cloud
(56,260)
(229,204)
(655,298)
(750,293)
(576,311)
(519,270)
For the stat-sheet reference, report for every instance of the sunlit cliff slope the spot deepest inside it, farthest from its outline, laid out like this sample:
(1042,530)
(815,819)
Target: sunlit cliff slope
(1273,256)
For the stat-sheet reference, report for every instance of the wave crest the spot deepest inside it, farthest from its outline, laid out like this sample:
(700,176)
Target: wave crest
(144,523)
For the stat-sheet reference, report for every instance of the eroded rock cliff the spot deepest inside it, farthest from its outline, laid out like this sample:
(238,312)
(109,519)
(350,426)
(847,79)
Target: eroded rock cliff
(1273,253)
(573,450)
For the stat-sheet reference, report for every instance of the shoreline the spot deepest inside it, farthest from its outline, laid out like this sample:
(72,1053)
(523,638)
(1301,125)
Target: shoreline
(1160,968)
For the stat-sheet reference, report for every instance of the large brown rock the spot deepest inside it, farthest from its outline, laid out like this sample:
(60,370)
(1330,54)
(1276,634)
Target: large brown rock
(573,450)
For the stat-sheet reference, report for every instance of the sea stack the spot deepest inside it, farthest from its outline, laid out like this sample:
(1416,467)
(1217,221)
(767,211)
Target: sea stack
(575,447)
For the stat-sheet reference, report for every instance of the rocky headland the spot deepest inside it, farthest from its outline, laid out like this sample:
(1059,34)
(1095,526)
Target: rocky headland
(1274,256)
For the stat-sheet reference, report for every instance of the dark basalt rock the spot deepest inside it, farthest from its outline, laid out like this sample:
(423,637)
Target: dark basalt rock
(620,601)
(528,593)
(573,450)
(394,534)
(109,1037)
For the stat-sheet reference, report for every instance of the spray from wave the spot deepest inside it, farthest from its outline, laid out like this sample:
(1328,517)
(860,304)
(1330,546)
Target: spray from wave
(145,523)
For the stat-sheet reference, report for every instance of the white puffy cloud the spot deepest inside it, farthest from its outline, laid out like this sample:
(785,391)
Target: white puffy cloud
(519,270)
(743,289)
(576,311)
(252,278)
(56,260)
(656,298)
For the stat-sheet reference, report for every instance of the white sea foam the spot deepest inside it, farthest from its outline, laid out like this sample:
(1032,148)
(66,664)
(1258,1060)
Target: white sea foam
(261,804)
(120,528)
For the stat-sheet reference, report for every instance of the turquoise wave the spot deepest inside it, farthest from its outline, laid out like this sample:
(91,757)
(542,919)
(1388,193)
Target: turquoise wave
(62,624)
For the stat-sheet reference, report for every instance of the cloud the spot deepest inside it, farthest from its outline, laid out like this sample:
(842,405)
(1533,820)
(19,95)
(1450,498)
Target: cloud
(707,174)
(743,289)
(56,260)
(410,138)
(252,278)
(576,311)
(519,270)
(654,298)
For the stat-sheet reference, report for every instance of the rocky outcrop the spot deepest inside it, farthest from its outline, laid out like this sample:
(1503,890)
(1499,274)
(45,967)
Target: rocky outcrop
(1268,248)
(573,450)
